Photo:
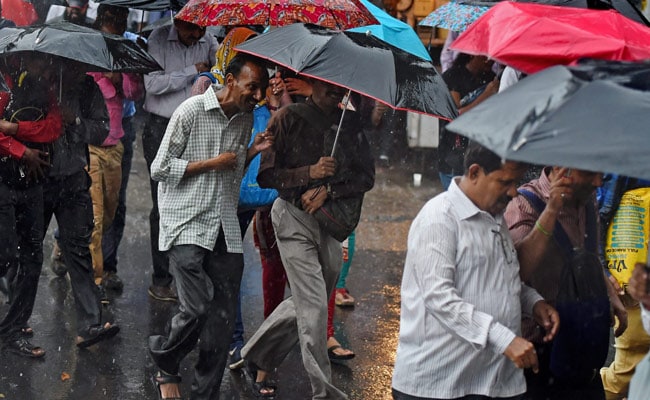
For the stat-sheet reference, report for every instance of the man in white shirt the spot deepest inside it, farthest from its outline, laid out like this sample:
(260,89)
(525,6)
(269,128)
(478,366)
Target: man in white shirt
(183,50)
(462,298)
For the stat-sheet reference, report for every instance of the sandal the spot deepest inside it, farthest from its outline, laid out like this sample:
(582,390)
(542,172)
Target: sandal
(342,298)
(265,385)
(96,334)
(338,357)
(23,347)
(27,331)
(162,379)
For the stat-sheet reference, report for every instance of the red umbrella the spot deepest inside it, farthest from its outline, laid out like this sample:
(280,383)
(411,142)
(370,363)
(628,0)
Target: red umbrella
(531,37)
(336,14)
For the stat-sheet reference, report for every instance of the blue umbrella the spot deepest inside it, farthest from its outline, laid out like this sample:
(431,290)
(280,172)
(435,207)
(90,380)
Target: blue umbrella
(393,31)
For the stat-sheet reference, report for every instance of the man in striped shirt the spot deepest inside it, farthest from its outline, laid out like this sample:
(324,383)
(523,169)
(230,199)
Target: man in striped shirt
(462,298)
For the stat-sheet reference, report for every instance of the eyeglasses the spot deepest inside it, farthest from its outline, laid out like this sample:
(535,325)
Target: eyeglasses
(509,251)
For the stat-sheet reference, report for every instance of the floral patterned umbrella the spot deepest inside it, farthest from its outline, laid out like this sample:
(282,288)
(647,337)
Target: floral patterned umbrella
(454,16)
(335,14)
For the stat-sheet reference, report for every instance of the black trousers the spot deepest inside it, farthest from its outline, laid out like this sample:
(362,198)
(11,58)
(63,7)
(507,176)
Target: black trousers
(208,290)
(113,235)
(68,199)
(544,386)
(21,250)
(152,135)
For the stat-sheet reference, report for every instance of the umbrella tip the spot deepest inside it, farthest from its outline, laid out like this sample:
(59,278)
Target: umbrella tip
(368,33)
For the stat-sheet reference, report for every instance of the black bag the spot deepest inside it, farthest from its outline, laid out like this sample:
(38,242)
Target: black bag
(582,343)
(338,217)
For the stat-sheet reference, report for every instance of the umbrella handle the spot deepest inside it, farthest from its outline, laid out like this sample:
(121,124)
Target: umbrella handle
(338,128)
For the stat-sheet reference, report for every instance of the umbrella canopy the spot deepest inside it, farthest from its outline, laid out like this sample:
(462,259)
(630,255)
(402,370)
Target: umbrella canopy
(339,14)
(99,51)
(393,31)
(358,62)
(147,5)
(530,37)
(593,116)
(454,16)
(625,7)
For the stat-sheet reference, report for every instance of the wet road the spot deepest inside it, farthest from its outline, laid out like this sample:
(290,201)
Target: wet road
(121,369)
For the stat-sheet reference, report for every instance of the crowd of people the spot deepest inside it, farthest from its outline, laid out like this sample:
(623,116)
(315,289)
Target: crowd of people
(503,296)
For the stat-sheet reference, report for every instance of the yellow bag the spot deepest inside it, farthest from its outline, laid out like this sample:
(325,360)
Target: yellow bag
(627,235)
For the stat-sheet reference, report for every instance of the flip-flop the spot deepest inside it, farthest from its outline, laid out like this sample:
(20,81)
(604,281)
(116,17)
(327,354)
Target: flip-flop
(338,357)
(96,334)
(23,347)
(162,379)
(27,331)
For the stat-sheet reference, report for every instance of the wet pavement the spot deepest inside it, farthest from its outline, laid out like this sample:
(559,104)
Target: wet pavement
(121,369)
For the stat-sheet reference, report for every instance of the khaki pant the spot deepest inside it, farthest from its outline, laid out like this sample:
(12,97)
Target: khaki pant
(631,347)
(106,174)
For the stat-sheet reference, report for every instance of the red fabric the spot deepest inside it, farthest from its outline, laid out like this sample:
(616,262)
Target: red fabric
(336,14)
(46,130)
(531,37)
(330,314)
(21,12)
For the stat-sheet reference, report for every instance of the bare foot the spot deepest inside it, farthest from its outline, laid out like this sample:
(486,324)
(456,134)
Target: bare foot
(264,389)
(170,391)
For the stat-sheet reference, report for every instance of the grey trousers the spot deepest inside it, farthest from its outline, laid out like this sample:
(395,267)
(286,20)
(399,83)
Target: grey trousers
(208,289)
(312,260)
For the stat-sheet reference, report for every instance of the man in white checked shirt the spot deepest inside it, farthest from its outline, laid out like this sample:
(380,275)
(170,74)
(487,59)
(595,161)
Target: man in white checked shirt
(200,165)
(462,298)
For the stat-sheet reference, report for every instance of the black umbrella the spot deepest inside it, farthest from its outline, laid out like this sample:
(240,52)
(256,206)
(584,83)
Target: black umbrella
(594,116)
(98,51)
(359,62)
(147,5)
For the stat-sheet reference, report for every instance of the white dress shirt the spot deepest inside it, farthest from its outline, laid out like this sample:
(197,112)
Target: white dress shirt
(192,209)
(168,88)
(462,300)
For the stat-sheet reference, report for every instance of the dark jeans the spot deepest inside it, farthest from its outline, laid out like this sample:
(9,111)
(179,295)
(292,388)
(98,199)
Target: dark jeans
(113,235)
(21,250)
(152,135)
(397,395)
(208,288)
(68,199)
(544,385)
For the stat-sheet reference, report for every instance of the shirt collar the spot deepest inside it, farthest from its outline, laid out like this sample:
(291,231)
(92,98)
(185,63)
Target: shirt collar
(464,206)
(210,101)
(173,36)
(544,184)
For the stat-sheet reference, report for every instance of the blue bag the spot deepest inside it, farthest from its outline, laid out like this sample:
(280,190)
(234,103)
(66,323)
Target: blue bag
(251,195)
(581,345)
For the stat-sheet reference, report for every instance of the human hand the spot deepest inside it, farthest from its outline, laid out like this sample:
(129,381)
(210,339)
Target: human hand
(326,166)
(263,141)
(561,191)
(492,87)
(548,318)
(617,287)
(276,86)
(522,353)
(638,285)
(35,160)
(202,67)
(297,86)
(618,311)
(313,199)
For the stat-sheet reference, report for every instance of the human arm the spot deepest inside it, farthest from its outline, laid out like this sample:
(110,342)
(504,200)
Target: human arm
(261,142)
(174,77)
(298,87)
(532,232)
(548,318)
(618,309)
(491,89)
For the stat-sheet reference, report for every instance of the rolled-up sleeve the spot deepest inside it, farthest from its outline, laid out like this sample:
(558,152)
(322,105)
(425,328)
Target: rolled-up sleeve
(168,166)
(434,249)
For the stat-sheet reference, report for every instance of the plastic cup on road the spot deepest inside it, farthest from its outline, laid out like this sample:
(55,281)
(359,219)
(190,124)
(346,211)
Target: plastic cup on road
(417,180)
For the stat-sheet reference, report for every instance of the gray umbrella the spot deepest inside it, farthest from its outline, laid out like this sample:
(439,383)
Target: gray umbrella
(594,117)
